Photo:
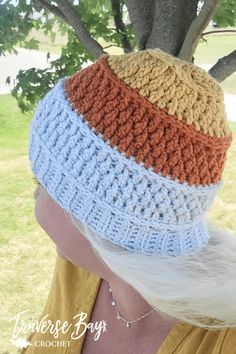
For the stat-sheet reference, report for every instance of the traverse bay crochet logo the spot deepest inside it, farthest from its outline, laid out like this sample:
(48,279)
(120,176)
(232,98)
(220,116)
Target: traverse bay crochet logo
(58,333)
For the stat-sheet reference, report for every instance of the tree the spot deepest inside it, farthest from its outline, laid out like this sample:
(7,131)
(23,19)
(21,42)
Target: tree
(174,26)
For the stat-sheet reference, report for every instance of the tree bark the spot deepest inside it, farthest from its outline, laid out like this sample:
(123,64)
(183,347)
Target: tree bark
(218,31)
(141,13)
(120,26)
(172,19)
(197,27)
(74,20)
(43,4)
(225,67)
(171,25)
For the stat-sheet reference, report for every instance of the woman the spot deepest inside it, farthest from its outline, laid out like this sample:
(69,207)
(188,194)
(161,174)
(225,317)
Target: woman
(129,154)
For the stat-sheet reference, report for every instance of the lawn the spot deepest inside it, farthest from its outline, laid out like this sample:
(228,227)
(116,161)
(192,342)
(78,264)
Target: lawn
(45,45)
(27,253)
(213,48)
(209,50)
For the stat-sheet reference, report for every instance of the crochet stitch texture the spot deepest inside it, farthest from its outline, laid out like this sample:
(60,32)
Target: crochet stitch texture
(134,145)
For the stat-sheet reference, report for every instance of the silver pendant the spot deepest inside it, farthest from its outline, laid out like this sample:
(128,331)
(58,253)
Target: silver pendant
(127,324)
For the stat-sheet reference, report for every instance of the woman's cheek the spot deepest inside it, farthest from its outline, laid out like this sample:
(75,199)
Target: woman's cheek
(44,213)
(70,243)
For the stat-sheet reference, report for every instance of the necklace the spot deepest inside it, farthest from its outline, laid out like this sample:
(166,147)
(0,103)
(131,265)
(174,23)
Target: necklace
(122,318)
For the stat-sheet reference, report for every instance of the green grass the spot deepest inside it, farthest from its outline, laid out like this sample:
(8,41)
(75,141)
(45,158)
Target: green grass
(215,47)
(45,44)
(208,50)
(27,254)
(223,209)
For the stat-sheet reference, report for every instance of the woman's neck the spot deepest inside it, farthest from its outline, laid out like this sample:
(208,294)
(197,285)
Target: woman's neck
(131,306)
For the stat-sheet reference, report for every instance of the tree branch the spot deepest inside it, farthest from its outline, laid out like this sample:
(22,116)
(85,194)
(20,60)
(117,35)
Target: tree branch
(218,31)
(225,67)
(39,4)
(120,26)
(141,14)
(74,20)
(197,27)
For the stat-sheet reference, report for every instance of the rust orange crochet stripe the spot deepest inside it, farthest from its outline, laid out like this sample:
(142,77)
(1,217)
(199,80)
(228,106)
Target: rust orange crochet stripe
(183,89)
(141,129)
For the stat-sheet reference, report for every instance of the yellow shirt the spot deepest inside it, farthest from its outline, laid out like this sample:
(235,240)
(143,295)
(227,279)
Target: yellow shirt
(73,292)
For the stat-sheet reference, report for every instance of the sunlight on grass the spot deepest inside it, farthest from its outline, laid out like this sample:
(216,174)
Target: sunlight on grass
(45,44)
(223,210)
(213,48)
(208,50)
(26,251)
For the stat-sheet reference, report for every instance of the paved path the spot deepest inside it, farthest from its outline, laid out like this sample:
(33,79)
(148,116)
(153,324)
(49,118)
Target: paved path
(11,64)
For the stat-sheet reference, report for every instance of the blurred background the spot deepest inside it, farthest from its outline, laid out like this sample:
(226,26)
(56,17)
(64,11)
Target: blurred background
(38,44)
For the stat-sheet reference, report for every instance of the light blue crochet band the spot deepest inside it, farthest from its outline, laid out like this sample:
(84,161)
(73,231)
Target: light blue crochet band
(120,200)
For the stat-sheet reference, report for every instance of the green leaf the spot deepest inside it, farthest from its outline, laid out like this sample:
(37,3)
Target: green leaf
(30,44)
(33,84)
(226,13)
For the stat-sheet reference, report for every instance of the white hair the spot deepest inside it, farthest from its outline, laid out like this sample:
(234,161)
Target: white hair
(199,289)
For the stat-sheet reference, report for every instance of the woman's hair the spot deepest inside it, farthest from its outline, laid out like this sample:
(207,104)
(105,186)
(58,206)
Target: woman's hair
(199,289)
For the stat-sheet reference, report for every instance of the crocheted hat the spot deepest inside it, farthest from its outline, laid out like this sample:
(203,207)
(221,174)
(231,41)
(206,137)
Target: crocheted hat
(134,146)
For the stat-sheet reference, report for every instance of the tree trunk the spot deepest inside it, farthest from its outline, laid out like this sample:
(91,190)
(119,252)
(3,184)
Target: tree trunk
(172,20)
